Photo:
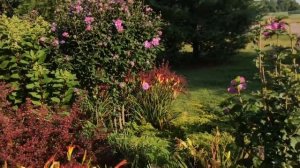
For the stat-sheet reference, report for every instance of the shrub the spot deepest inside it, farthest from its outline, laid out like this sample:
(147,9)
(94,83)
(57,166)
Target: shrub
(157,90)
(106,41)
(24,55)
(268,124)
(30,135)
(142,146)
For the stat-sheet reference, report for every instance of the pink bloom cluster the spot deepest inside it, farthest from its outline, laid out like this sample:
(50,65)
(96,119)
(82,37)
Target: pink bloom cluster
(118,24)
(153,43)
(274,26)
(78,8)
(53,27)
(65,34)
(88,21)
(237,85)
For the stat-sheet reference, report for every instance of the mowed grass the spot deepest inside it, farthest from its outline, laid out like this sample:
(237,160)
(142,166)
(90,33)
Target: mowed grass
(207,85)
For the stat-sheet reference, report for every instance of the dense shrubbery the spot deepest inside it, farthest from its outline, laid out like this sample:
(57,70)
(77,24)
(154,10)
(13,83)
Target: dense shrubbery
(31,135)
(106,42)
(25,54)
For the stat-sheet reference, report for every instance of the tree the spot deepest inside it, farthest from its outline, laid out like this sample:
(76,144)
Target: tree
(215,28)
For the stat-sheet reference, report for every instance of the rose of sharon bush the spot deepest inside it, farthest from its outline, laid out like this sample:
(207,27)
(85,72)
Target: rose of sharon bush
(106,40)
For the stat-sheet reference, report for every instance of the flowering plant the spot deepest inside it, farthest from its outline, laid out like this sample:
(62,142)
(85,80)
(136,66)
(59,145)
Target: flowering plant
(267,124)
(104,41)
(158,89)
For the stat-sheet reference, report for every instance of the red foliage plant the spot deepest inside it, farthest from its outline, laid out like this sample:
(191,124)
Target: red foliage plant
(30,135)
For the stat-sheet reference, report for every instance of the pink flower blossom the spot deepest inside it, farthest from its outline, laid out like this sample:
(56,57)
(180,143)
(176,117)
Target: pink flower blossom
(132,63)
(118,24)
(159,33)
(62,42)
(78,8)
(53,27)
(147,44)
(155,41)
(88,27)
(55,42)
(42,39)
(65,34)
(88,20)
(122,84)
(148,9)
(145,85)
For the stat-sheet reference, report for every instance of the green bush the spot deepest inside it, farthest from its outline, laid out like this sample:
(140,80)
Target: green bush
(24,51)
(106,42)
(142,146)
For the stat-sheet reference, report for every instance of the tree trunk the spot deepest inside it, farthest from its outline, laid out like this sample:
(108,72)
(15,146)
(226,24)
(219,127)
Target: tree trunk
(196,49)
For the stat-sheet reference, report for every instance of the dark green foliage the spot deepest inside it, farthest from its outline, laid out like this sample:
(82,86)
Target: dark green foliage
(280,5)
(212,27)
(46,8)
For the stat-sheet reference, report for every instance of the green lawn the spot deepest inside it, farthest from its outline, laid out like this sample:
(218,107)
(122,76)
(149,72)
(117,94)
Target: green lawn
(207,86)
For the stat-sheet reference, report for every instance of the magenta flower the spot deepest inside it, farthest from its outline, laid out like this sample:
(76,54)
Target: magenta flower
(118,24)
(232,90)
(88,27)
(145,86)
(65,34)
(88,20)
(155,41)
(237,85)
(147,44)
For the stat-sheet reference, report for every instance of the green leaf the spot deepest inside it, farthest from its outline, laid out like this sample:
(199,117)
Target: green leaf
(4,64)
(55,100)
(15,76)
(58,85)
(30,86)
(41,56)
(36,102)
(24,62)
(35,95)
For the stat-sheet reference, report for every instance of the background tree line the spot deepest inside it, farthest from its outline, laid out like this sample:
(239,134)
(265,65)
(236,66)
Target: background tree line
(280,5)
